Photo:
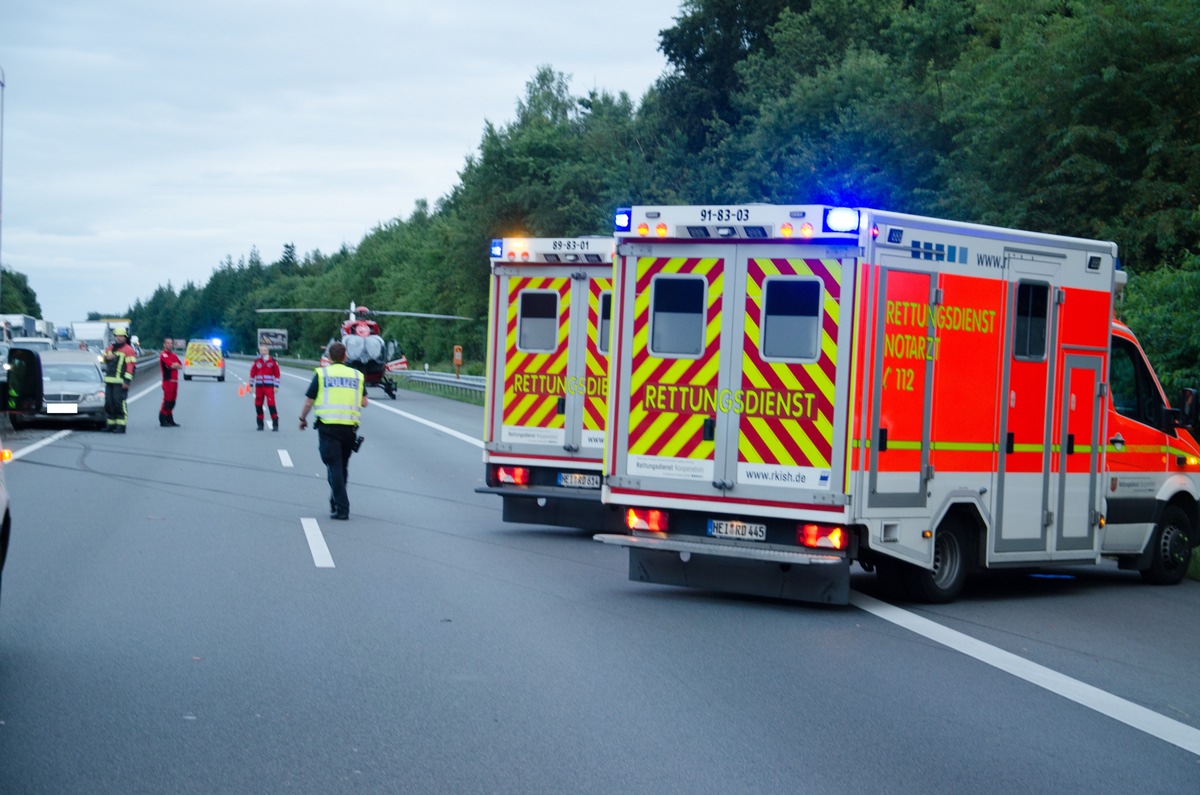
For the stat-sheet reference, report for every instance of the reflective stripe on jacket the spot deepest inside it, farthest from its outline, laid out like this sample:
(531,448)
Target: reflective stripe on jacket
(119,369)
(265,372)
(339,395)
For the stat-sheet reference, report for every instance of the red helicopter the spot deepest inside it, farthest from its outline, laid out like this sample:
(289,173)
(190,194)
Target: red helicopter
(366,350)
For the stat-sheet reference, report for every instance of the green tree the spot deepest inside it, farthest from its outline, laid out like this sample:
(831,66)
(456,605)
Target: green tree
(16,296)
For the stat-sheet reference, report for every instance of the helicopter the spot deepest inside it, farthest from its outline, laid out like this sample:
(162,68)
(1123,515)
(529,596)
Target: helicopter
(366,351)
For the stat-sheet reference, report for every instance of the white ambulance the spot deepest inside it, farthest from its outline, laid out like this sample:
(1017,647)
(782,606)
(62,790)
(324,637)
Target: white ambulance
(547,379)
(797,387)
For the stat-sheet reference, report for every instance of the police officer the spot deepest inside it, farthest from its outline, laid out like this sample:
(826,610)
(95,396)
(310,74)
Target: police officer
(120,360)
(338,393)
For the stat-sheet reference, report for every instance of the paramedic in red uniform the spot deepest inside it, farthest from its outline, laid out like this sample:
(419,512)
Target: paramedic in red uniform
(264,377)
(120,360)
(170,365)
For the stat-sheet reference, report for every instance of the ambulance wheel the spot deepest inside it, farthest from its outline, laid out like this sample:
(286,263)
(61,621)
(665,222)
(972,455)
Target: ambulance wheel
(1171,548)
(944,583)
(17,422)
(220,378)
(187,378)
(390,389)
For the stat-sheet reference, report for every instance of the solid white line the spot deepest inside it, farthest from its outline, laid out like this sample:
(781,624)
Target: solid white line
(285,459)
(316,543)
(442,428)
(24,451)
(434,425)
(1140,718)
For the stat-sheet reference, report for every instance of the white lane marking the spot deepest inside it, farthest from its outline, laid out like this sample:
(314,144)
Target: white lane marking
(442,428)
(434,425)
(284,458)
(1140,718)
(24,451)
(316,543)
(143,393)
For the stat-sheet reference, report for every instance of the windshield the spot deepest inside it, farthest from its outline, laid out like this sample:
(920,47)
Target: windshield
(82,373)
(33,345)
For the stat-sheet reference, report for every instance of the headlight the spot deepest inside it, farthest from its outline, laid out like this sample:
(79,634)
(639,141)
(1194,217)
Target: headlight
(93,397)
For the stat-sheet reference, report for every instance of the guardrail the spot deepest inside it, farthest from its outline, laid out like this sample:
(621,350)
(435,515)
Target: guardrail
(449,382)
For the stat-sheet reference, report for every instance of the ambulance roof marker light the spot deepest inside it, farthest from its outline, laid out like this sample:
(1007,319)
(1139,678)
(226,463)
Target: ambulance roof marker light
(786,230)
(623,219)
(661,230)
(806,230)
(643,229)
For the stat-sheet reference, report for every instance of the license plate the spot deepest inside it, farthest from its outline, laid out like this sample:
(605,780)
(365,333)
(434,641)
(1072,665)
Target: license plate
(576,480)
(62,408)
(722,528)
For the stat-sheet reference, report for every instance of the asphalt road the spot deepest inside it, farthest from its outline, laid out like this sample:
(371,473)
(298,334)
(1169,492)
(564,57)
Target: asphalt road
(180,615)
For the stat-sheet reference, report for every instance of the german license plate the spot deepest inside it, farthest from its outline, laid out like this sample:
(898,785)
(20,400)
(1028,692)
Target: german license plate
(731,528)
(62,408)
(577,480)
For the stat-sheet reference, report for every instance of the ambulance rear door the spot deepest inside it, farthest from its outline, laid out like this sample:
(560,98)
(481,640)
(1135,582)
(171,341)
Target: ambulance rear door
(542,361)
(783,402)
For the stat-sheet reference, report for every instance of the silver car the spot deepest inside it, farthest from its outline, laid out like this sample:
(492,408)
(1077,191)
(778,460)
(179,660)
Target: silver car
(72,390)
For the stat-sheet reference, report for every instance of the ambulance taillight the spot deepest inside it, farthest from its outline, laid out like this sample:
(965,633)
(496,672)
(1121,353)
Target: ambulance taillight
(513,476)
(822,536)
(646,519)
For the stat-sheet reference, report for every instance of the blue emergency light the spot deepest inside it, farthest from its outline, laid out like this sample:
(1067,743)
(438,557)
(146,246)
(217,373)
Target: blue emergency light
(841,219)
(623,219)
(216,342)
(497,249)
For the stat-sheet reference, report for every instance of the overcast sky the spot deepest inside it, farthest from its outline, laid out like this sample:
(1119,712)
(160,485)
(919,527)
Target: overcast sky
(146,140)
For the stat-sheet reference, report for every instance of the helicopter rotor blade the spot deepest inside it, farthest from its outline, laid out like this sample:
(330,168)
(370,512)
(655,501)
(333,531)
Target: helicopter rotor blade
(421,314)
(337,311)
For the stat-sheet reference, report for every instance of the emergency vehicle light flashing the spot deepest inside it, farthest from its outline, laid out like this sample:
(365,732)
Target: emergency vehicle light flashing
(822,536)
(497,249)
(516,476)
(650,520)
(841,219)
(643,229)
(623,219)
(806,230)
(216,341)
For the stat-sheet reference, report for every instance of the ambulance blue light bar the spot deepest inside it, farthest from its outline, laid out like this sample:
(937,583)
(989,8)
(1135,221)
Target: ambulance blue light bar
(841,219)
(217,341)
(497,249)
(623,219)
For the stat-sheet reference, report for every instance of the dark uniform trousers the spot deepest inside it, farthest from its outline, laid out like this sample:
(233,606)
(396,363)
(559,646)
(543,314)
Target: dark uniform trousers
(334,443)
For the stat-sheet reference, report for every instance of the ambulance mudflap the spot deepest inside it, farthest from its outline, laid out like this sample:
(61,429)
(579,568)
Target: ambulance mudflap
(548,379)
(796,388)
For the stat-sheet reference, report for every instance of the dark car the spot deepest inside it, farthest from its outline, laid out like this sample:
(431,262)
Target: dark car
(72,390)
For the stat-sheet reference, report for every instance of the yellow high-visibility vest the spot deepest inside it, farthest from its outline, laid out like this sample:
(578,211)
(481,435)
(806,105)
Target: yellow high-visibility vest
(339,395)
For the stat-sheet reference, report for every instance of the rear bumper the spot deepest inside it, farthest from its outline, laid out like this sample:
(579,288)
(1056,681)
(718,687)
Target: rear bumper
(799,575)
(556,506)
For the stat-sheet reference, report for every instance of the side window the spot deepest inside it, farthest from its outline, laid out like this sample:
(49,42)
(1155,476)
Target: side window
(1134,394)
(537,325)
(677,316)
(1033,304)
(605,315)
(792,318)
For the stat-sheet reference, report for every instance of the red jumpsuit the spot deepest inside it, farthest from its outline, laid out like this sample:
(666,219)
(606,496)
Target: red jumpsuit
(170,375)
(264,377)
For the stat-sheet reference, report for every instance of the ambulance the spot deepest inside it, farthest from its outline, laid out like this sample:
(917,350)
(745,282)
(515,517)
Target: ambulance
(795,388)
(204,358)
(547,379)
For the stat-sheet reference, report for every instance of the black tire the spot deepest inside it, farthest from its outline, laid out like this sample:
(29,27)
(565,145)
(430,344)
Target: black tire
(220,378)
(1170,548)
(187,378)
(951,560)
(18,423)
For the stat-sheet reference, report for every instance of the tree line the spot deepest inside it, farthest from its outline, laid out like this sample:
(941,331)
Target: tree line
(1073,117)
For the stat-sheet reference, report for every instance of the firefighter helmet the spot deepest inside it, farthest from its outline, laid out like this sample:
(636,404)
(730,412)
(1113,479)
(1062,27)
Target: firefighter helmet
(121,331)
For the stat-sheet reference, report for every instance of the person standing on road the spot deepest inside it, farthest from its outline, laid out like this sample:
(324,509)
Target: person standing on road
(170,365)
(120,360)
(338,393)
(265,378)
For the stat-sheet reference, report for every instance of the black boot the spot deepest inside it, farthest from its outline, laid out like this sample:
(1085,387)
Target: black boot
(274,423)
(260,423)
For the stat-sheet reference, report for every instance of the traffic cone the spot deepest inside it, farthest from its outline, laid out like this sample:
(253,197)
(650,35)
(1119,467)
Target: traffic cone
(241,390)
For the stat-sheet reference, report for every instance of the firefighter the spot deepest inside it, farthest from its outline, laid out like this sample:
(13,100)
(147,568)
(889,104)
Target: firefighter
(264,377)
(120,360)
(339,393)
(170,365)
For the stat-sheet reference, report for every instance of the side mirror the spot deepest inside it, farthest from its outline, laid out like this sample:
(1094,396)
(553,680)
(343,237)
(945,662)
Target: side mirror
(1189,409)
(24,381)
